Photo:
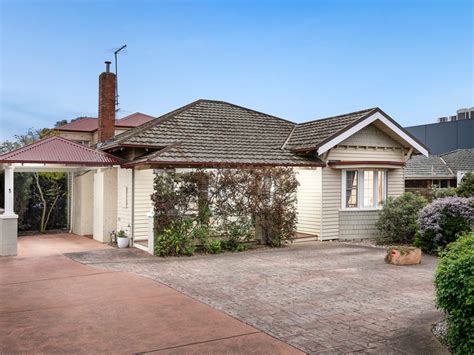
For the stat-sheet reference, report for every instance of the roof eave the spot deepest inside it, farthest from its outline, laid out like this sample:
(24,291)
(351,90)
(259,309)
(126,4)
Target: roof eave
(204,164)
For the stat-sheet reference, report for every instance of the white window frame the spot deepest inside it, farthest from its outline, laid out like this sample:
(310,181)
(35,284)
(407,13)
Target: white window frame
(360,189)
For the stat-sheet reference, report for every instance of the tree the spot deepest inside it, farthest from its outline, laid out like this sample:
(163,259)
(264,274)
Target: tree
(32,135)
(60,123)
(51,189)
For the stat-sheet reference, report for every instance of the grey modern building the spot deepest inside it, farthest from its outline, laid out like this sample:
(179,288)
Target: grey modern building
(449,133)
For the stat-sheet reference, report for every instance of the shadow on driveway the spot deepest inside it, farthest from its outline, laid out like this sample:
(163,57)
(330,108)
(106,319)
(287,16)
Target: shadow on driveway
(54,305)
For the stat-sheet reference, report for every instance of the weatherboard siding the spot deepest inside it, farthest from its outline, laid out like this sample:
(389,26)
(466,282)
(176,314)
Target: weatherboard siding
(331,203)
(396,182)
(365,154)
(309,200)
(371,136)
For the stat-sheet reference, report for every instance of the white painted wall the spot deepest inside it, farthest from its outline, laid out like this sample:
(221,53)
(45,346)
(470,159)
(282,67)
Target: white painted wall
(105,204)
(82,211)
(143,190)
(309,200)
(124,199)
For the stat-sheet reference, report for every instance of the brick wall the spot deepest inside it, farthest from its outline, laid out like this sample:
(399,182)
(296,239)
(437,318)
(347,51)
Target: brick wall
(357,224)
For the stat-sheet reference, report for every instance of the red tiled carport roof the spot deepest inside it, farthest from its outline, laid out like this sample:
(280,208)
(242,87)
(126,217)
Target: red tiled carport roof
(58,150)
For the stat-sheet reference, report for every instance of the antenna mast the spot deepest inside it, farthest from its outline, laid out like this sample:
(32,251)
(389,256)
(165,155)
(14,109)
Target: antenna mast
(116,75)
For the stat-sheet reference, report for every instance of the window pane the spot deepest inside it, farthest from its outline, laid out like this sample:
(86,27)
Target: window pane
(368,189)
(380,187)
(351,188)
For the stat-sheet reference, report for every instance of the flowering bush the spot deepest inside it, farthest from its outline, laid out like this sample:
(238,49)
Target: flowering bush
(442,221)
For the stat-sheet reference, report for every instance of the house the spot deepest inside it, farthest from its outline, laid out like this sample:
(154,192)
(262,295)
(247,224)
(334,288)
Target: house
(422,173)
(347,165)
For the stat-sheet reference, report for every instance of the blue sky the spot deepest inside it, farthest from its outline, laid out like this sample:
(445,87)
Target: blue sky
(299,60)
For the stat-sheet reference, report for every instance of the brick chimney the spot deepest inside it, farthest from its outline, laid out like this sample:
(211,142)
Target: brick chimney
(107,87)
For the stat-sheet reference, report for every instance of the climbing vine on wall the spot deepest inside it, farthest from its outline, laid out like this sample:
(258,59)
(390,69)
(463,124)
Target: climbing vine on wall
(222,208)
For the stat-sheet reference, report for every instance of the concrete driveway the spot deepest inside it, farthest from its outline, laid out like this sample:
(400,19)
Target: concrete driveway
(319,297)
(53,305)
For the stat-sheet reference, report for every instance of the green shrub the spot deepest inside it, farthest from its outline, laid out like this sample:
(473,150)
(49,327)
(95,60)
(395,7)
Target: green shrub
(466,186)
(214,247)
(454,281)
(177,240)
(443,192)
(398,220)
(442,221)
(237,232)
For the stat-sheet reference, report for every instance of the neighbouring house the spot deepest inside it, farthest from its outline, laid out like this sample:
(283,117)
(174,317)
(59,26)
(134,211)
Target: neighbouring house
(423,173)
(460,161)
(347,165)
(85,130)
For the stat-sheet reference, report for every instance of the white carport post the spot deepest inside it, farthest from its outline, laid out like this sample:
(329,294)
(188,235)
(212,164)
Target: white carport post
(151,231)
(8,220)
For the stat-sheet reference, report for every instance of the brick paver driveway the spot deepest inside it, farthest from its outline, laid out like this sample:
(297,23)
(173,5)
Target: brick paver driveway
(318,297)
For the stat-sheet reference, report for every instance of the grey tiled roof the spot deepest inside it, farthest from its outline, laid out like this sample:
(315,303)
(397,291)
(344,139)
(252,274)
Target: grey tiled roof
(460,159)
(216,132)
(432,166)
(311,134)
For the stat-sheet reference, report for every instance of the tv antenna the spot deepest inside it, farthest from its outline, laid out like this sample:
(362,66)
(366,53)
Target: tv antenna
(116,52)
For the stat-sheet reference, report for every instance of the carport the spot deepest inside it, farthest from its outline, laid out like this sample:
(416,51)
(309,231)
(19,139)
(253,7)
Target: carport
(52,154)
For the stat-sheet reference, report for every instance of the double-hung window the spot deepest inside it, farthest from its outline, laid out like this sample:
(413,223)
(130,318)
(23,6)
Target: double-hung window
(364,188)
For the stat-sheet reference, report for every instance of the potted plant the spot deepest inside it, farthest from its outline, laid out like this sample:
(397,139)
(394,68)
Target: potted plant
(122,239)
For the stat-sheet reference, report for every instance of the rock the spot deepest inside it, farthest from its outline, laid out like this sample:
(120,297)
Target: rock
(403,255)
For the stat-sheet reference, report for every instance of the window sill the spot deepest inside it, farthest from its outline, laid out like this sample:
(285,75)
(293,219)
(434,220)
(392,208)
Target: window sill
(360,209)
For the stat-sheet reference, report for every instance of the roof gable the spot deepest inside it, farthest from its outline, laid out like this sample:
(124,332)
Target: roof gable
(322,135)
(58,150)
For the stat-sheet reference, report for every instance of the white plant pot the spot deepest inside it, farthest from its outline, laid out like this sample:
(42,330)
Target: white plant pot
(122,242)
